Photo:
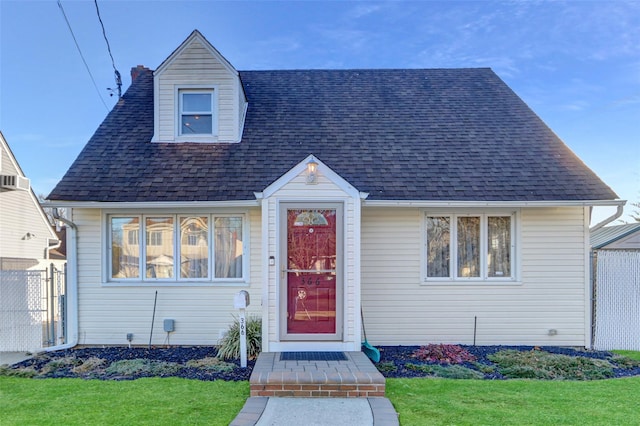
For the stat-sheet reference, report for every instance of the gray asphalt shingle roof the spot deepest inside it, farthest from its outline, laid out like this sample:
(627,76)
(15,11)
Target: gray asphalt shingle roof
(419,134)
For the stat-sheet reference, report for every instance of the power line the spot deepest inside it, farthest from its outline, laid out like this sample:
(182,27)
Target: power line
(113,63)
(81,55)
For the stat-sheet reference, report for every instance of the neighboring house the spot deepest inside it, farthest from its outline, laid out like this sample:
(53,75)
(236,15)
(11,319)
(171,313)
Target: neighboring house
(433,199)
(625,237)
(28,286)
(25,233)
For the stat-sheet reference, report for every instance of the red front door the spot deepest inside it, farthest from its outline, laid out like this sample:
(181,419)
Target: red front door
(311,279)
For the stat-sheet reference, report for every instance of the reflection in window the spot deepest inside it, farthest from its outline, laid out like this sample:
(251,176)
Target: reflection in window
(194,247)
(468,246)
(464,246)
(438,247)
(176,247)
(124,254)
(499,246)
(228,247)
(159,247)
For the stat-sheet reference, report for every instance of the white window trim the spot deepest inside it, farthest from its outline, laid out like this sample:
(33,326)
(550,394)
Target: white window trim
(176,280)
(195,88)
(516,243)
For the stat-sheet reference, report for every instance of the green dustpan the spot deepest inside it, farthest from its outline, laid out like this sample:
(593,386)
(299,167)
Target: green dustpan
(370,351)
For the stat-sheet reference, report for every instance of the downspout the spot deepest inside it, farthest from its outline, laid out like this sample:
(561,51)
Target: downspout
(611,218)
(72,286)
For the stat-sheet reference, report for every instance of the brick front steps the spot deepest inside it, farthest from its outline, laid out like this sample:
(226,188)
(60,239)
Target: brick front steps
(356,377)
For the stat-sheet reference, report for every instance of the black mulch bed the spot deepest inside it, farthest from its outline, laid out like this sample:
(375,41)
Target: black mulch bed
(401,356)
(393,362)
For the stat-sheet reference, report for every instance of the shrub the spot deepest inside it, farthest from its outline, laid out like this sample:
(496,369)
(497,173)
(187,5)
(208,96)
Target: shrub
(89,365)
(25,373)
(139,366)
(56,364)
(446,372)
(211,364)
(387,367)
(625,362)
(444,354)
(230,344)
(538,364)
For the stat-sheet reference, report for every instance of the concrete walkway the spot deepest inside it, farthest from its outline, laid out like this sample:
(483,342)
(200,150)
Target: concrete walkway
(11,358)
(263,411)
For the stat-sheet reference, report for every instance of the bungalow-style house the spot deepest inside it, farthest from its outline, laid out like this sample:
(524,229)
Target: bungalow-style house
(434,201)
(25,233)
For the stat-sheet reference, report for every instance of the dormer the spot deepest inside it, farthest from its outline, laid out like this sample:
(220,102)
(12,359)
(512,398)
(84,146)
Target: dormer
(198,96)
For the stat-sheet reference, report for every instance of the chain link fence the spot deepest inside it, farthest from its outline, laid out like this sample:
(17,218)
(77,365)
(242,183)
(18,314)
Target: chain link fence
(32,309)
(616,299)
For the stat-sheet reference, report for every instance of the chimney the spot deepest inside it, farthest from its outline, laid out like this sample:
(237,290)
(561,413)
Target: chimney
(136,71)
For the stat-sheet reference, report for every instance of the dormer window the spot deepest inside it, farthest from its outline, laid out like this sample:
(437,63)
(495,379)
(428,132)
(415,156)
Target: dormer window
(197,109)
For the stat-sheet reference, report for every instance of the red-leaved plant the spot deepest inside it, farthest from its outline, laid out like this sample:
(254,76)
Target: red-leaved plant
(444,354)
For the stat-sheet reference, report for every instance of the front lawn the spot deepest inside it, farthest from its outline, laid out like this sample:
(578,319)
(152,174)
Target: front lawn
(515,402)
(420,401)
(148,401)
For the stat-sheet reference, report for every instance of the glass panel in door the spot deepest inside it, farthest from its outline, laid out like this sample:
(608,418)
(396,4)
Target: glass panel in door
(311,271)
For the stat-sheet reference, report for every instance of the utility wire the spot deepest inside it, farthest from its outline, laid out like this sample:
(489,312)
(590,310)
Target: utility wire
(113,63)
(81,55)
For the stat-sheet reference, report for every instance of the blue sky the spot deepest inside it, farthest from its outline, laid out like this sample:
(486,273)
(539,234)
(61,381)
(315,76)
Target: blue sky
(575,63)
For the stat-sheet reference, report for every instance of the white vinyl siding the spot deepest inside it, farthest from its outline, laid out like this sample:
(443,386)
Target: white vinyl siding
(550,292)
(20,214)
(196,67)
(108,312)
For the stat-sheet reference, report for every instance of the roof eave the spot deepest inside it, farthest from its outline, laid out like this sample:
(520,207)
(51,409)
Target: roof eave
(131,205)
(492,204)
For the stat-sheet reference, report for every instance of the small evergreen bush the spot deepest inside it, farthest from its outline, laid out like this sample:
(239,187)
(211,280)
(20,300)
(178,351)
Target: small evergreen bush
(446,372)
(211,364)
(90,365)
(444,354)
(25,373)
(56,364)
(387,367)
(537,364)
(230,344)
(139,366)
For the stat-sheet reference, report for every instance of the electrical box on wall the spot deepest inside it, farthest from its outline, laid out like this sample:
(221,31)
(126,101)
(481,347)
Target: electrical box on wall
(169,325)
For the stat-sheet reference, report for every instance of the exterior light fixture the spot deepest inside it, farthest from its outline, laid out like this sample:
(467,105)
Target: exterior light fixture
(312,172)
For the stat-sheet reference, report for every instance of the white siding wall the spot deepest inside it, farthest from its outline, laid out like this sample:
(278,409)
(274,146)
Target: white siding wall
(325,191)
(20,214)
(399,309)
(107,312)
(196,66)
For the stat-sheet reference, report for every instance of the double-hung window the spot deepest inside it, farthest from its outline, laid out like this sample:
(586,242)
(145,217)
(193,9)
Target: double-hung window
(468,247)
(176,247)
(196,112)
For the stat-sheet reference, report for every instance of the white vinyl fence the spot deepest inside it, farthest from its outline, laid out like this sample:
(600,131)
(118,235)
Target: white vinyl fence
(617,299)
(31,309)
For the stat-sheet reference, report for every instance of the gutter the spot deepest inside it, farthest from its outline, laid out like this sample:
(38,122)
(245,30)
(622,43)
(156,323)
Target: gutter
(611,218)
(72,286)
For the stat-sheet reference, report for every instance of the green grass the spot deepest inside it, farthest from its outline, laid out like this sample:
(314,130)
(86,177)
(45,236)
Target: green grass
(174,401)
(150,401)
(515,402)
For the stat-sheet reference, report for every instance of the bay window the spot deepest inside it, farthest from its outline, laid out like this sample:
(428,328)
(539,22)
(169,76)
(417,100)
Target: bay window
(468,247)
(176,247)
